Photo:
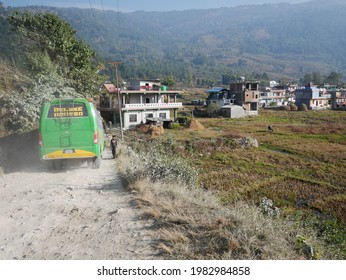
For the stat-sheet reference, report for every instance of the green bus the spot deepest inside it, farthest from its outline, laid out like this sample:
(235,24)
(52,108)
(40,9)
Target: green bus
(71,129)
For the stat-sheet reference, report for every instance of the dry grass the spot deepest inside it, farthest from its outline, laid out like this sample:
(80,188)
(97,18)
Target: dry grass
(304,159)
(191,223)
(301,167)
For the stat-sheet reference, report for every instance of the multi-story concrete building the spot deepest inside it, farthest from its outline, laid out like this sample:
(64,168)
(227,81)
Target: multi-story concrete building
(314,98)
(136,104)
(246,95)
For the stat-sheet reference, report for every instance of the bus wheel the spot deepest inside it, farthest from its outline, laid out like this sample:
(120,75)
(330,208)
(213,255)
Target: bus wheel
(57,164)
(96,162)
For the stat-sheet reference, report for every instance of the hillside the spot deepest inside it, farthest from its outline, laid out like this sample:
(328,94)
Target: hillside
(283,40)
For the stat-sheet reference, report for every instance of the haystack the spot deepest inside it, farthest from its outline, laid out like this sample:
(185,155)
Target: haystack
(194,124)
(143,127)
(155,130)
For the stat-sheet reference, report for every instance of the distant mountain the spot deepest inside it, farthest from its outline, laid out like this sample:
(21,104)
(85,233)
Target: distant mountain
(282,40)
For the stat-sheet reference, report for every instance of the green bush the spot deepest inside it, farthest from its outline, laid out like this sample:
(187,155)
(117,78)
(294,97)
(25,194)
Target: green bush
(22,111)
(183,120)
(175,126)
(273,104)
(158,162)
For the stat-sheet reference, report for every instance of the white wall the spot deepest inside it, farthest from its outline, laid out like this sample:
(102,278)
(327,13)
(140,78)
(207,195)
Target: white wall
(141,116)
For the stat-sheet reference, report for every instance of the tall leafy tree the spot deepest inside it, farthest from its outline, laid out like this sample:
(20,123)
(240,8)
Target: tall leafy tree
(317,78)
(169,81)
(334,78)
(53,38)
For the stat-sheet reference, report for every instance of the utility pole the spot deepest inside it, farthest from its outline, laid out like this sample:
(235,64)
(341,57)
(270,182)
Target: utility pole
(115,64)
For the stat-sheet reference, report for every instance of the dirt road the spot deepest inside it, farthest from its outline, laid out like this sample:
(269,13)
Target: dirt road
(78,213)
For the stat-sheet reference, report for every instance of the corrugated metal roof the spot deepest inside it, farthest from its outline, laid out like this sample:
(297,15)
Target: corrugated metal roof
(215,89)
(110,88)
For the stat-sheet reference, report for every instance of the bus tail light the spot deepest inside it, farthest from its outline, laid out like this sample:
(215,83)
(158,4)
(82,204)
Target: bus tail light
(95,138)
(40,142)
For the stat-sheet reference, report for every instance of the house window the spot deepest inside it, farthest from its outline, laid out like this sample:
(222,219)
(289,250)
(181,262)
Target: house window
(150,115)
(162,115)
(147,100)
(133,118)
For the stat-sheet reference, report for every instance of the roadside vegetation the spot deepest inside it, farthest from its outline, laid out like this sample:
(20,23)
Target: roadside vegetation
(42,59)
(284,199)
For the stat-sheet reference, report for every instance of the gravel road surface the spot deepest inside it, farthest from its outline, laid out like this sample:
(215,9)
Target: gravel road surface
(77,213)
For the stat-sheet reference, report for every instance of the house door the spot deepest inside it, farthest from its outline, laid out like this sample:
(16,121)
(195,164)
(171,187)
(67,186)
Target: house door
(147,100)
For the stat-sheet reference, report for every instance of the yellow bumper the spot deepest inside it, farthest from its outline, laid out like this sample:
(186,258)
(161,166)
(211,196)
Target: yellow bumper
(63,155)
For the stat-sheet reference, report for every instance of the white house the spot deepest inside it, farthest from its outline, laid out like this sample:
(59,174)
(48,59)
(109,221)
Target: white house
(138,105)
(142,100)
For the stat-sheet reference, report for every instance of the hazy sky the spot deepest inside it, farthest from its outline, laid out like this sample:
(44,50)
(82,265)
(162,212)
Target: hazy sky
(145,5)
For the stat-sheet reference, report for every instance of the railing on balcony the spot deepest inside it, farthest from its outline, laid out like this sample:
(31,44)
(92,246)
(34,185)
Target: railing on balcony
(152,106)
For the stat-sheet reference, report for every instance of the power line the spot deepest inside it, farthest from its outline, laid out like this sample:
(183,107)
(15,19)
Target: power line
(118,13)
(91,7)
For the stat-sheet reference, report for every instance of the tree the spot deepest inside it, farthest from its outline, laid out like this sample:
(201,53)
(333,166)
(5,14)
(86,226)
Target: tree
(169,82)
(45,34)
(334,78)
(307,78)
(228,78)
(317,78)
(212,109)
(22,111)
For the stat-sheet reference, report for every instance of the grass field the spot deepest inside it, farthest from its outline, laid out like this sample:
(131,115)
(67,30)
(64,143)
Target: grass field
(300,167)
(302,163)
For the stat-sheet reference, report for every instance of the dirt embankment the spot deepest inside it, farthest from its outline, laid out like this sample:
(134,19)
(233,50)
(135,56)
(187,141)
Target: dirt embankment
(75,213)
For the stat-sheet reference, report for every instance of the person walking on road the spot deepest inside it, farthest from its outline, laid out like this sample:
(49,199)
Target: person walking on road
(114,144)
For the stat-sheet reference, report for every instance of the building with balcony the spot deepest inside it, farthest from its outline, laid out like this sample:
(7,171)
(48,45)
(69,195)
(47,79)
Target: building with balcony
(138,105)
(338,99)
(276,96)
(313,97)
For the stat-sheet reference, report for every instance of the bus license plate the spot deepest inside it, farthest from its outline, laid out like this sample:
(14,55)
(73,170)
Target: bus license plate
(69,151)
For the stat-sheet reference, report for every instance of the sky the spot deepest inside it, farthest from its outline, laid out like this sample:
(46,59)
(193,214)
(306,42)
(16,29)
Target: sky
(143,5)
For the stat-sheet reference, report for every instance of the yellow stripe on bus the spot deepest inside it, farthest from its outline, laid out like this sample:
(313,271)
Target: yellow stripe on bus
(76,154)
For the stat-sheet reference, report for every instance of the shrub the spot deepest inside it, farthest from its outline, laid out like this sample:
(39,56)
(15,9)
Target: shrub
(213,109)
(247,142)
(183,120)
(273,104)
(23,110)
(293,107)
(175,126)
(156,162)
(284,108)
(303,107)
(267,207)
(306,247)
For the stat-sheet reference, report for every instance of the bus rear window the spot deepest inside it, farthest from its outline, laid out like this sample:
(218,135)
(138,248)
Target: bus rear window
(66,110)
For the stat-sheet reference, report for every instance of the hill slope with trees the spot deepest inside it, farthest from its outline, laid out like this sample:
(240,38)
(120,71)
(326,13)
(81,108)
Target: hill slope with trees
(281,40)
(41,58)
